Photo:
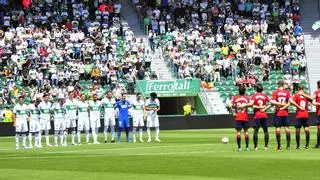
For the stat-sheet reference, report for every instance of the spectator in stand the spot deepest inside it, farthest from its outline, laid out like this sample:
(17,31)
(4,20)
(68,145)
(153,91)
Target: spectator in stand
(55,46)
(295,81)
(287,78)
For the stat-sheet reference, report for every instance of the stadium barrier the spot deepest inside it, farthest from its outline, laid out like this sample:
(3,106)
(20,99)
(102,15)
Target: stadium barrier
(179,122)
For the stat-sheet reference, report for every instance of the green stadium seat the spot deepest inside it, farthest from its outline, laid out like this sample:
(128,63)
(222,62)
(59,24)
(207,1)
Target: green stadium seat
(106,87)
(268,93)
(272,77)
(292,109)
(82,82)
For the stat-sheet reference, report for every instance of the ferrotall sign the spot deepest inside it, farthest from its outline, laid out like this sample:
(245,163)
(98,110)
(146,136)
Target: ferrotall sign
(169,88)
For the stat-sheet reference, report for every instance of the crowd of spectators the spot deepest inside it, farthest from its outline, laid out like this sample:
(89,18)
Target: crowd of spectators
(243,40)
(59,46)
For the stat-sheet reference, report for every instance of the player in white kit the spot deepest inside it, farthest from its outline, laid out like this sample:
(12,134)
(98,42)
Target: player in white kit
(58,109)
(137,117)
(83,118)
(152,106)
(109,116)
(34,124)
(20,117)
(71,117)
(44,109)
(94,107)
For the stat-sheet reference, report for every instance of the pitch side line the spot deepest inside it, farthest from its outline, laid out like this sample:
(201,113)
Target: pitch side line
(129,148)
(99,155)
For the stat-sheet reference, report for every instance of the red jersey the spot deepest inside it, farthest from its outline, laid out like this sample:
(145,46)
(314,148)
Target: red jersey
(316,94)
(281,96)
(260,99)
(241,113)
(303,102)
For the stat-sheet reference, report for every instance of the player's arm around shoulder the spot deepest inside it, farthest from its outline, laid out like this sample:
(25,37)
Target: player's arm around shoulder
(14,115)
(129,104)
(308,96)
(158,105)
(146,105)
(288,104)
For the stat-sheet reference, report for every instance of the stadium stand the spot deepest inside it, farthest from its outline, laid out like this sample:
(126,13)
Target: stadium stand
(52,47)
(231,43)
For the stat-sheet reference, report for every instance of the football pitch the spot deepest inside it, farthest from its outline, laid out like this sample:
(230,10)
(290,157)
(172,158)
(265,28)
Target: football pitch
(183,154)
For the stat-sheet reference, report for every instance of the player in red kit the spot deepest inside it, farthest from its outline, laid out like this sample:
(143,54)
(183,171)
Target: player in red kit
(301,100)
(260,117)
(240,103)
(280,99)
(316,102)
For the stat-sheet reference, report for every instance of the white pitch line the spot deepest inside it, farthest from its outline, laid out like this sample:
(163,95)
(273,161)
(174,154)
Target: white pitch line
(100,155)
(7,149)
(125,148)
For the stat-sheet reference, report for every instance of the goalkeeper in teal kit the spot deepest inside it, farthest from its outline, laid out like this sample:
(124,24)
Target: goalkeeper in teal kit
(123,106)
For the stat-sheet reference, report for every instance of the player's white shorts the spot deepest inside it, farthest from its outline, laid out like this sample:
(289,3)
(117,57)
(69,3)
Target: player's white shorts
(95,123)
(34,126)
(45,124)
(152,121)
(137,120)
(59,124)
(70,123)
(83,124)
(21,126)
(162,30)
(109,121)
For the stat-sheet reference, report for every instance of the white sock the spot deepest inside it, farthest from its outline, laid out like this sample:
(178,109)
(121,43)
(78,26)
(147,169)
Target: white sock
(61,137)
(157,132)
(30,139)
(97,132)
(17,140)
(65,136)
(94,136)
(36,139)
(56,137)
(87,136)
(47,136)
(73,136)
(105,133)
(134,130)
(140,133)
(149,134)
(79,137)
(40,137)
(112,133)
(24,139)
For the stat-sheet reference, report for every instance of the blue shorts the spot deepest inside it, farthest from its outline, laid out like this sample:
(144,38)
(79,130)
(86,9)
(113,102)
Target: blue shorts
(123,123)
(281,121)
(318,120)
(302,122)
(260,122)
(242,125)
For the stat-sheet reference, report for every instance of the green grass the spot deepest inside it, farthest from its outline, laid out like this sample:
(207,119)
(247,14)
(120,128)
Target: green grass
(187,154)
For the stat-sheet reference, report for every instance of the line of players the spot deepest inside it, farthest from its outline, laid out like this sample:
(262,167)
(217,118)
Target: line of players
(87,113)
(281,99)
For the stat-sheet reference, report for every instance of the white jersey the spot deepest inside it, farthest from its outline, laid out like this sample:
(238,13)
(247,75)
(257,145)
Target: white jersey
(138,107)
(21,112)
(33,112)
(83,109)
(44,108)
(95,108)
(152,117)
(152,104)
(59,111)
(71,109)
(108,105)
